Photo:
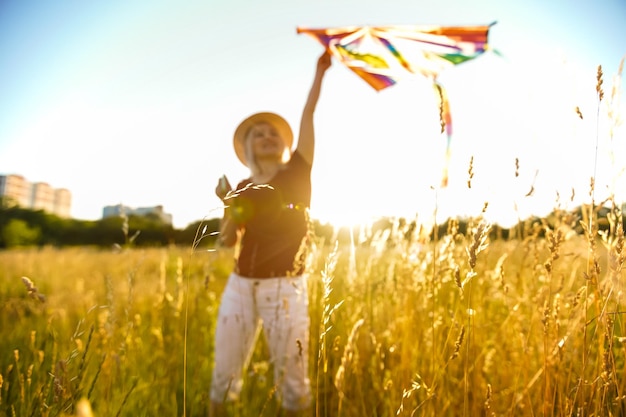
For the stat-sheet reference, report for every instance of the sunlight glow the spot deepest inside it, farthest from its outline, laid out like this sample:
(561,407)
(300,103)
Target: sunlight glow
(528,158)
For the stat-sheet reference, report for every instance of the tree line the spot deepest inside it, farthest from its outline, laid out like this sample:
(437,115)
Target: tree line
(25,227)
(21,227)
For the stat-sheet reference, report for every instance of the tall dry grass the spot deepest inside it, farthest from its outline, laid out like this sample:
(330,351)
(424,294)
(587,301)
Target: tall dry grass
(468,325)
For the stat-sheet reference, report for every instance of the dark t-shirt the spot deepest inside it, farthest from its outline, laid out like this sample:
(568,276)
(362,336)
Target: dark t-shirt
(273,222)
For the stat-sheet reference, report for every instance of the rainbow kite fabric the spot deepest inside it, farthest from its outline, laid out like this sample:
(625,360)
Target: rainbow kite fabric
(382,55)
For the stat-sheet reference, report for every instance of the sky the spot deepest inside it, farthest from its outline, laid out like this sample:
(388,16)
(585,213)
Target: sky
(135,103)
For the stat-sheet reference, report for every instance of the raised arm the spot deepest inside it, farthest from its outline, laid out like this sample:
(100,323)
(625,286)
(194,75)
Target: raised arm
(306,139)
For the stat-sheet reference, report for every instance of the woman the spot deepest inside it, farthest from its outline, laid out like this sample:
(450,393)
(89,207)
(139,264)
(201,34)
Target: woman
(266,215)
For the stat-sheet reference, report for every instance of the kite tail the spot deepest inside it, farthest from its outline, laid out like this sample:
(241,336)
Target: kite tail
(445,118)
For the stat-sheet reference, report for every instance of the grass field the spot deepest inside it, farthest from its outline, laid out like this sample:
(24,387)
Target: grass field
(462,324)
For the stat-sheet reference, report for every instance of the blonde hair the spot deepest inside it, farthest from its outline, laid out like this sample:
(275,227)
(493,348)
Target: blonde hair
(255,169)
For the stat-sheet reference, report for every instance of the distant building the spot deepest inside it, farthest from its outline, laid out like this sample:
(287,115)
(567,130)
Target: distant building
(62,202)
(16,188)
(120,209)
(42,197)
(36,196)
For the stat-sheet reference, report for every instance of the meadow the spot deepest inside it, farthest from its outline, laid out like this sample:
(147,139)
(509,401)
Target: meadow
(403,323)
(406,320)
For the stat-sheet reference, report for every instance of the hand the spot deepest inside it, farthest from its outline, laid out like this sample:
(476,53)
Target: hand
(324,62)
(223,188)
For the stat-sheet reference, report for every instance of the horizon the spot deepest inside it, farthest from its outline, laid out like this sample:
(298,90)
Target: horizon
(605,204)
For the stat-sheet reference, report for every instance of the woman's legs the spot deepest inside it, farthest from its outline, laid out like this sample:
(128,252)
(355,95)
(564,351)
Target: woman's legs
(282,304)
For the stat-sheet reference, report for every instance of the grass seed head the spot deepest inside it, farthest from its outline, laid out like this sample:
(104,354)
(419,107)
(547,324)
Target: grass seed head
(579,113)
(32,289)
(478,243)
(470,172)
(458,343)
(599,80)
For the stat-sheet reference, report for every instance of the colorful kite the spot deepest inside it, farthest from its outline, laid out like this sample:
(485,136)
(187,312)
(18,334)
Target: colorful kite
(381,55)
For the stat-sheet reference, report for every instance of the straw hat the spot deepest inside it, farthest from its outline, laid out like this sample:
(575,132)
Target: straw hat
(239,140)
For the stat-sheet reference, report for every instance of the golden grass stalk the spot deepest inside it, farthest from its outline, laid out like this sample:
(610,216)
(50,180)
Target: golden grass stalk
(32,290)
(478,245)
(347,359)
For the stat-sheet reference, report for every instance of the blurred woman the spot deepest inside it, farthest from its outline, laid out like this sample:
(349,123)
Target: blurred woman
(266,216)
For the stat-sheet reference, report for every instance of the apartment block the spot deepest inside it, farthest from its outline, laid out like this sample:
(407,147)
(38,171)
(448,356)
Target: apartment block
(36,196)
(62,202)
(42,197)
(16,188)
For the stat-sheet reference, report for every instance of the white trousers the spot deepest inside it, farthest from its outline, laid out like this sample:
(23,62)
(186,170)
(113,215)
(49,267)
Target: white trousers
(280,306)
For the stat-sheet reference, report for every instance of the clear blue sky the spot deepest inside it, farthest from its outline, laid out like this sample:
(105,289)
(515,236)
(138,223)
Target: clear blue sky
(136,102)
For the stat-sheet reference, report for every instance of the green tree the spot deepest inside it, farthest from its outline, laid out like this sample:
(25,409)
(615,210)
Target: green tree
(18,233)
